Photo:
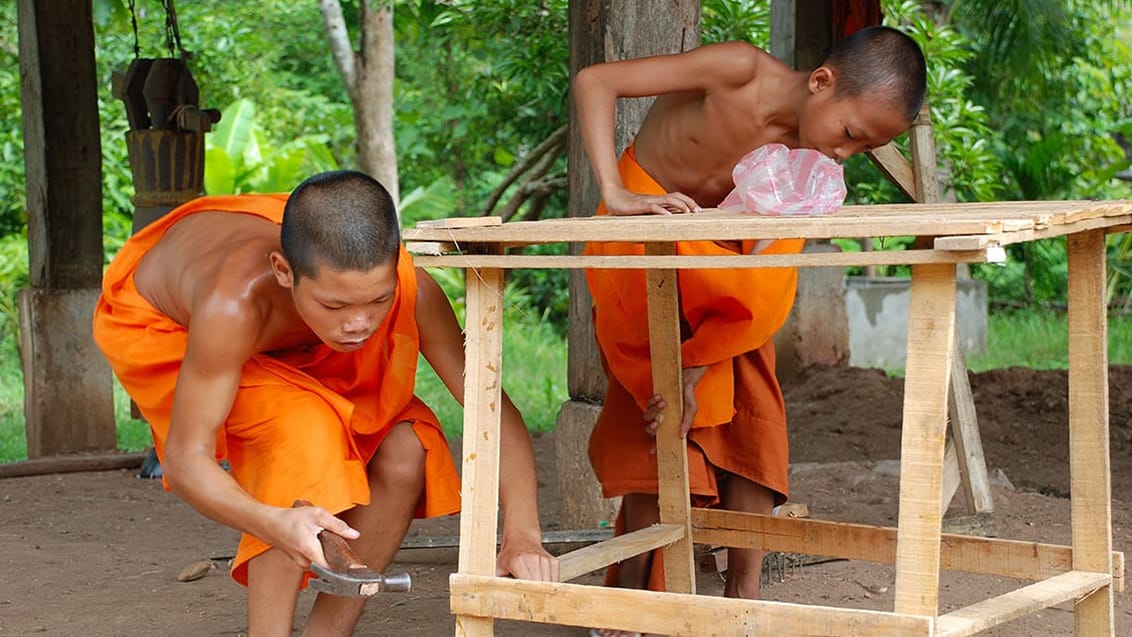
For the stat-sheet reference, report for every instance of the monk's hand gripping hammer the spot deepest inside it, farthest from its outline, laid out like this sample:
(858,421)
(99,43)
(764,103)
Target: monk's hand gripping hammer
(348,575)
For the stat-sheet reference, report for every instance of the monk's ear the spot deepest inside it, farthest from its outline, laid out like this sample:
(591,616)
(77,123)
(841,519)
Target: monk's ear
(281,268)
(821,79)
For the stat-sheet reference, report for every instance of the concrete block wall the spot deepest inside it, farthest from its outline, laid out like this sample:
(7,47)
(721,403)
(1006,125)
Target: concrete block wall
(877,309)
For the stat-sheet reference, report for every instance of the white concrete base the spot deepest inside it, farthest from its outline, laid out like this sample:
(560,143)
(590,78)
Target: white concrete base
(878,319)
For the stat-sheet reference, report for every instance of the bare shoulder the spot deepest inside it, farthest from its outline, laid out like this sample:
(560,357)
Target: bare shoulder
(213,263)
(735,63)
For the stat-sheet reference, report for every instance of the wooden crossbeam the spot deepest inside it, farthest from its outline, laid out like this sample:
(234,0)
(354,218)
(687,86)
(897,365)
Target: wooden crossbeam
(987,556)
(672,614)
(591,558)
(1020,602)
(633,262)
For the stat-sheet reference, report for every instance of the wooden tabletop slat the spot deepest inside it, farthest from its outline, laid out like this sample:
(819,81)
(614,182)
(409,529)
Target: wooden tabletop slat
(888,220)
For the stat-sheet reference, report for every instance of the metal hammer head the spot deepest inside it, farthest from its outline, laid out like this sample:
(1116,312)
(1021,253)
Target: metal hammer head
(357,582)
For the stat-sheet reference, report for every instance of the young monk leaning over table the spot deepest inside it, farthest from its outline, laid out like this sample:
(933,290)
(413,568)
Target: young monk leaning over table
(283,333)
(714,105)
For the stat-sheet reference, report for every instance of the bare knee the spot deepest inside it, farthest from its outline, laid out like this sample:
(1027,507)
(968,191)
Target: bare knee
(400,460)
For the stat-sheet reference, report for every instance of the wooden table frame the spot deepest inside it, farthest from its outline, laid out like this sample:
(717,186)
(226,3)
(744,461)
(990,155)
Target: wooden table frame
(1086,572)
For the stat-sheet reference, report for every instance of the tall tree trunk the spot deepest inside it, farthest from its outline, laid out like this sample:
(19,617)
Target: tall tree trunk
(368,76)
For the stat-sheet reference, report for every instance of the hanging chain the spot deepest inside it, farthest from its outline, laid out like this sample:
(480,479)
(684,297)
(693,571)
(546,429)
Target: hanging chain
(134,22)
(172,31)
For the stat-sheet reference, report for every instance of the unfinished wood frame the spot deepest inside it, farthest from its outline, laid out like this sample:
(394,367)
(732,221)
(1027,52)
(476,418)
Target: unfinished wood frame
(1087,572)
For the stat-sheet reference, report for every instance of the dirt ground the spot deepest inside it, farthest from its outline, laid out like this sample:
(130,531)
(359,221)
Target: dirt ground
(99,553)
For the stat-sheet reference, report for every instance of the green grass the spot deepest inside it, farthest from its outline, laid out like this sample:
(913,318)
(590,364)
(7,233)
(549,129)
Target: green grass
(1038,339)
(534,364)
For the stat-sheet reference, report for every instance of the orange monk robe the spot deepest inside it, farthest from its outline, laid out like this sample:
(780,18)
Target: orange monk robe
(305,422)
(728,319)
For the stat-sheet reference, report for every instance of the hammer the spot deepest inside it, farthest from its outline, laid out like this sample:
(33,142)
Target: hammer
(348,575)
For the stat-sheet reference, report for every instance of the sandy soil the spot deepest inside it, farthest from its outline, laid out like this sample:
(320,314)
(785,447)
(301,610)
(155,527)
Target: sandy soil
(99,553)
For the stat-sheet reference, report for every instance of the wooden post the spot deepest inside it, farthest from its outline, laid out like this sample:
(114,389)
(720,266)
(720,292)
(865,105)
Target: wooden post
(931,335)
(671,448)
(68,398)
(1090,487)
(483,378)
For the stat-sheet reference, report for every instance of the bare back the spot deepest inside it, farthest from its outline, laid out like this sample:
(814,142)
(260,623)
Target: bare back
(217,262)
(691,140)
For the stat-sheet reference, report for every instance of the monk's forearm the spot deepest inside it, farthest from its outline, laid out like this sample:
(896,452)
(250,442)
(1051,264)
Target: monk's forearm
(596,105)
(206,487)
(518,483)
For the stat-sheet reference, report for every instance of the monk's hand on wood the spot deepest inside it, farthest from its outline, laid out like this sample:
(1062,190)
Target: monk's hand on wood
(525,558)
(624,202)
(295,532)
(654,414)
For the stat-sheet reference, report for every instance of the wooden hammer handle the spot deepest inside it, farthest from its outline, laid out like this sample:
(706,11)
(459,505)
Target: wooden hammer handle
(339,556)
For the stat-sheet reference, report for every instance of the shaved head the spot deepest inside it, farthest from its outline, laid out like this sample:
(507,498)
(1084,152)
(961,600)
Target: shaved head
(342,219)
(880,61)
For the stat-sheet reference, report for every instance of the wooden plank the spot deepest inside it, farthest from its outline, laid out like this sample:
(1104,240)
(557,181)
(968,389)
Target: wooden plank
(432,248)
(966,441)
(591,558)
(1090,487)
(931,334)
(896,167)
(460,222)
(71,464)
(924,170)
(968,553)
(482,400)
(952,476)
(633,262)
(668,613)
(973,218)
(971,554)
(981,242)
(1019,603)
(671,447)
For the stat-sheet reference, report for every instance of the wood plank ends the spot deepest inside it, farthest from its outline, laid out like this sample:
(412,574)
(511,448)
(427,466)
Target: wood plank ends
(1024,601)
(668,613)
(596,556)
(430,248)
(461,222)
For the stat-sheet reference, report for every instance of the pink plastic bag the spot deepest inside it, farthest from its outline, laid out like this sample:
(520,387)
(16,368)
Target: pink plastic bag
(775,180)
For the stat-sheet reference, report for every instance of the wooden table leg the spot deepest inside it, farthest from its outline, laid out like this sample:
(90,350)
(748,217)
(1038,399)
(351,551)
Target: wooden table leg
(1090,486)
(931,330)
(483,328)
(671,450)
